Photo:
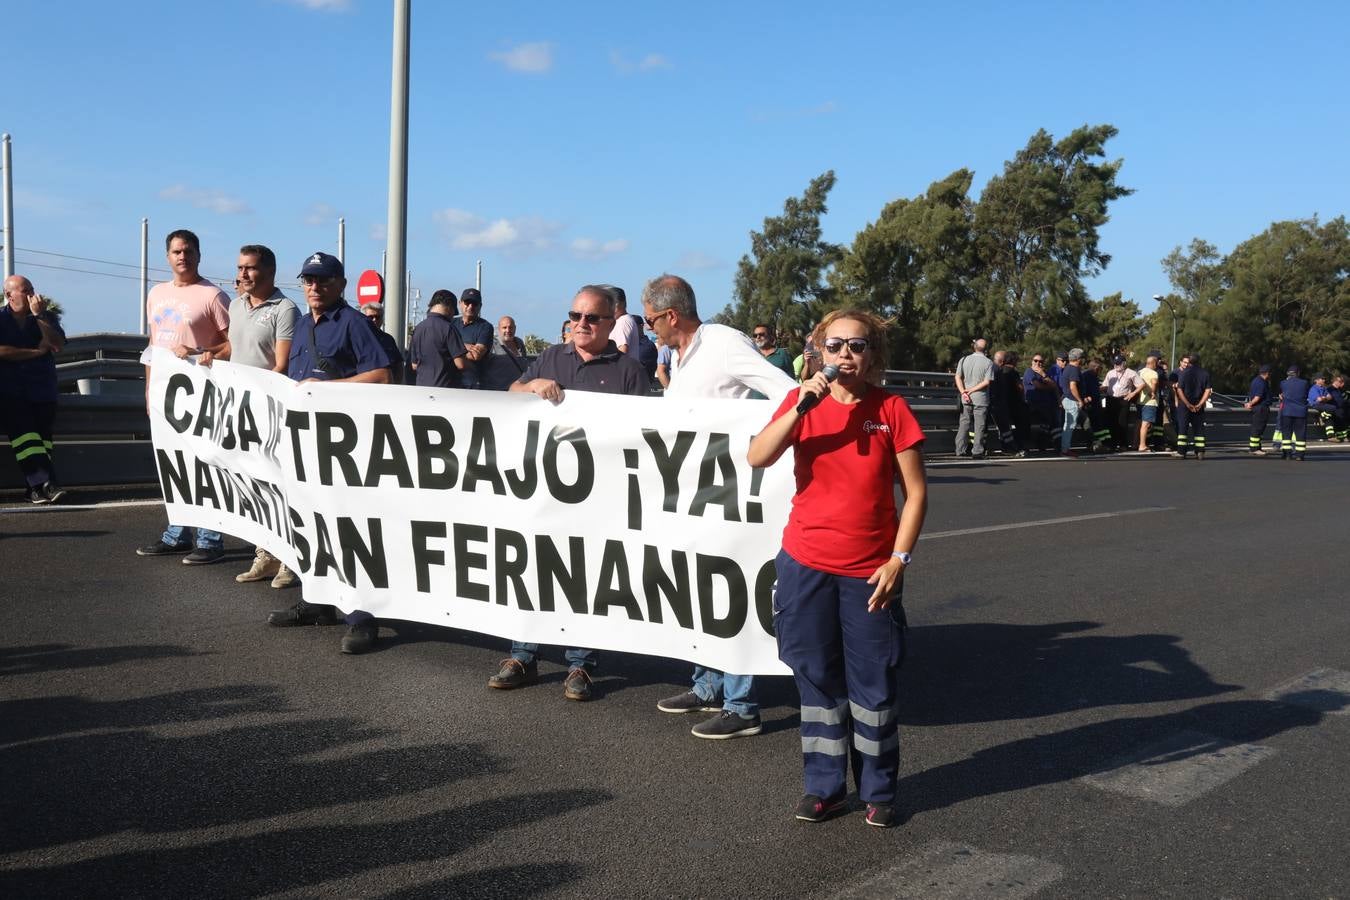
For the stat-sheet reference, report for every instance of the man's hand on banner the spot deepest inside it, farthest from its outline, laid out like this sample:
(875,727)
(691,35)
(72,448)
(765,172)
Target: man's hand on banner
(547,388)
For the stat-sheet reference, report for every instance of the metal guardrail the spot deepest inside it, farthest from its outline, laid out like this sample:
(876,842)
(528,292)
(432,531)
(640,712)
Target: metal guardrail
(104,432)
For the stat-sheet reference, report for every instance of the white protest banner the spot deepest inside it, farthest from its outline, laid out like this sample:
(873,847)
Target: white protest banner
(607,522)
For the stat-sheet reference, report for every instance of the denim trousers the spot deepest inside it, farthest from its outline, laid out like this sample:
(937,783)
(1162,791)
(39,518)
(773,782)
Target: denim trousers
(1071,409)
(205,539)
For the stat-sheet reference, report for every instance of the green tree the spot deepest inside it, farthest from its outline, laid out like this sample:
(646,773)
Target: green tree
(534,344)
(1037,228)
(914,266)
(1117,327)
(781,281)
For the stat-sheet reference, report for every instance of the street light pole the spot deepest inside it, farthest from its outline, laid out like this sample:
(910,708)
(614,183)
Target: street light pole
(1171,363)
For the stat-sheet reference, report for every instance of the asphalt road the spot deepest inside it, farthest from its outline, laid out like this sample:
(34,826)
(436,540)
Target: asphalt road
(1148,700)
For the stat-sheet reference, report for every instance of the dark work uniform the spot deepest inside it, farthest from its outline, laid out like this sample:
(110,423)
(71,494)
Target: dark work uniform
(1322,409)
(28,396)
(1294,416)
(1091,386)
(435,345)
(390,347)
(1338,418)
(476,332)
(1192,381)
(1261,391)
(1042,400)
(1005,395)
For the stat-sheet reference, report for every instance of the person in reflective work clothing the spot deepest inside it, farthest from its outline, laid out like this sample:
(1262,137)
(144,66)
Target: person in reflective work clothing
(837,609)
(1258,401)
(1192,393)
(1293,415)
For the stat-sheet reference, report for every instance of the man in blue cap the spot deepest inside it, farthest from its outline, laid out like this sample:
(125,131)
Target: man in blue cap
(333,342)
(1259,396)
(1294,415)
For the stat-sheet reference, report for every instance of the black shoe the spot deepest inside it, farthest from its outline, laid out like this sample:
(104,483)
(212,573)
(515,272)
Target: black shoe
(303,613)
(813,809)
(204,556)
(686,703)
(1199,454)
(882,815)
(513,674)
(727,725)
(35,496)
(360,637)
(159,548)
(52,491)
(577,685)
(980,455)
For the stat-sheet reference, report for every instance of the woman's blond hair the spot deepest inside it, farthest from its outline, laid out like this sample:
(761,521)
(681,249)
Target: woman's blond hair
(874,328)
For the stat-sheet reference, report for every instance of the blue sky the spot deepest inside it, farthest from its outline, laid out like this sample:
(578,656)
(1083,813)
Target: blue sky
(570,143)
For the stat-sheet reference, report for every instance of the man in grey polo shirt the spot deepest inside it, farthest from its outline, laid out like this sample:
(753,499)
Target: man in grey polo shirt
(974,375)
(262,325)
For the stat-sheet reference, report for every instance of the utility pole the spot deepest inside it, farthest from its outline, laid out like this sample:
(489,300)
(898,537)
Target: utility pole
(145,275)
(9,207)
(397,222)
(478,277)
(342,240)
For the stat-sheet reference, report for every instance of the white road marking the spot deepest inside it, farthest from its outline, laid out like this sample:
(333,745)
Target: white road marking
(1176,770)
(57,507)
(1012,526)
(946,871)
(1325,690)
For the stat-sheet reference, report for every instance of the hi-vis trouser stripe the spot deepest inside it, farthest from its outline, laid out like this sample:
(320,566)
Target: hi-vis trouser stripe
(29,444)
(1102,435)
(1254,442)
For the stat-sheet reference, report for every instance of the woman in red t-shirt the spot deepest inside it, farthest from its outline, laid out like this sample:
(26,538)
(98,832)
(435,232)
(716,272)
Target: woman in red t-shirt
(836,607)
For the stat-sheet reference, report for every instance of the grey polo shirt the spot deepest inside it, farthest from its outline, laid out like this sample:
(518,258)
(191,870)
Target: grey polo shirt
(255,330)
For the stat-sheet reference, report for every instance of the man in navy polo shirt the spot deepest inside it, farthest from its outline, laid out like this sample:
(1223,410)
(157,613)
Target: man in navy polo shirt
(436,351)
(590,362)
(30,334)
(333,342)
(476,335)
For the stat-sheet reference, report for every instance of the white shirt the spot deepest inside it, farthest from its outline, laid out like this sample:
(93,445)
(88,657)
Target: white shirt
(722,362)
(625,333)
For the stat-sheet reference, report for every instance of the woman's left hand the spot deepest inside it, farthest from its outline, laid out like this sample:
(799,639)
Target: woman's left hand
(886,577)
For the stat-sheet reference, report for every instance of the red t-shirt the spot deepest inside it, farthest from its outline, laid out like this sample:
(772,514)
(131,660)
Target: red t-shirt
(843,517)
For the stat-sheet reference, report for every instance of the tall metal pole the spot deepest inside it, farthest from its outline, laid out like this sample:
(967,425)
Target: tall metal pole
(9,208)
(478,278)
(145,274)
(397,222)
(342,240)
(1171,363)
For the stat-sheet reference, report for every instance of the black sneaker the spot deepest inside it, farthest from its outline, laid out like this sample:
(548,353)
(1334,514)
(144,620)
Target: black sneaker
(360,637)
(303,613)
(727,725)
(813,809)
(513,674)
(204,556)
(686,703)
(577,685)
(35,496)
(881,815)
(52,491)
(159,548)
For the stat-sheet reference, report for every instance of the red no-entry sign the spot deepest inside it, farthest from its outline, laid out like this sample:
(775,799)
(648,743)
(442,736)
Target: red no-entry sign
(369,288)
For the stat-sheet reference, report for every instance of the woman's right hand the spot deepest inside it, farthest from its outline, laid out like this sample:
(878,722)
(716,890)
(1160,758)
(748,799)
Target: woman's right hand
(815,386)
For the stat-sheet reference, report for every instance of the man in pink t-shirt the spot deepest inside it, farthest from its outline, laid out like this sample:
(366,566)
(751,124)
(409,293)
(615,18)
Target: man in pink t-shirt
(188,315)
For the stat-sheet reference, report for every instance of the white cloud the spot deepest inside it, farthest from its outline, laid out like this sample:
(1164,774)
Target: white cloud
(591,249)
(379,233)
(649,63)
(214,200)
(697,260)
(521,236)
(328,6)
(320,214)
(535,58)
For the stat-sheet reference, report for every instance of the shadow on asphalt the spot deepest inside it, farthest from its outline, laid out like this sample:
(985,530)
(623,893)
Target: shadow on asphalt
(1076,752)
(56,657)
(53,534)
(990,672)
(965,479)
(503,881)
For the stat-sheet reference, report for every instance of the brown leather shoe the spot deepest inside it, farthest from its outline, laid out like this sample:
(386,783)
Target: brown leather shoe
(513,674)
(577,686)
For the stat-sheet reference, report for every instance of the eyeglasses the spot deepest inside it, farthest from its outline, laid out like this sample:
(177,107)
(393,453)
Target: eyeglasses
(855,345)
(317,280)
(590,318)
(760,334)
(651,323)
(1037,359)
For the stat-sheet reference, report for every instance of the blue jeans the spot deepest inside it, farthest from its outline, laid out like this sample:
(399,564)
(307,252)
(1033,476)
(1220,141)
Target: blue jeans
(205,539)
(737,691)
(1071,409)
(576,657)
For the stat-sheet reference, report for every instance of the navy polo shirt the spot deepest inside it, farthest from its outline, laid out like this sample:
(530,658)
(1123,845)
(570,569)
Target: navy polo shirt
(434,346)
(1069,374)
(343,337)
(1089,385)
(610,372)
(476,332)
(32,379)
(1295,391)
(1260,389)
(1193,381)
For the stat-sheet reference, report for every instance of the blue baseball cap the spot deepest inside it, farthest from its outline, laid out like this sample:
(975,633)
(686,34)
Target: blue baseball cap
(324,265)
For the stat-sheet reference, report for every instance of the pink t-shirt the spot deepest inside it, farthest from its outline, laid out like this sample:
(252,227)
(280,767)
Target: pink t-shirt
(195,316)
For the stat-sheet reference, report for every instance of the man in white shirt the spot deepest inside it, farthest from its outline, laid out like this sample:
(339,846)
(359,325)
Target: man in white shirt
(710,360)
(625,334)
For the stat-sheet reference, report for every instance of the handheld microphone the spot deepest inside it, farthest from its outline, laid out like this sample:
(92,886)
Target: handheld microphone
(831,372)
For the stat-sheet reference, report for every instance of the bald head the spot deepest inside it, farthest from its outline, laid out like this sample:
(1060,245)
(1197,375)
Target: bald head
(981,344)
(17,291)
(999,358)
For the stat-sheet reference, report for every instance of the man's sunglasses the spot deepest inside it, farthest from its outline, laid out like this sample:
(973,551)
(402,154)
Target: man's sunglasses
(590,318)
(1037,359)
(760,334)
(855,345)
(319,280)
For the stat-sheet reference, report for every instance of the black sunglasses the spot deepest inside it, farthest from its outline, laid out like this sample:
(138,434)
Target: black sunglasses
(591,318)
(1037,359)
(855,345)
(320,280)
(762,334)
(651,323)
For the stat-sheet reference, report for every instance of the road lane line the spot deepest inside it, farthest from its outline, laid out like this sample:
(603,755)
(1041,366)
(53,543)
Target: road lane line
(947,871)
(1325,690)
(1176,770)
(1012,526)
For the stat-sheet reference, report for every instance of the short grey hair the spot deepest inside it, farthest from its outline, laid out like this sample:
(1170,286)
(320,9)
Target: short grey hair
(602,291)
(671,292)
